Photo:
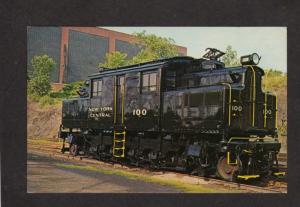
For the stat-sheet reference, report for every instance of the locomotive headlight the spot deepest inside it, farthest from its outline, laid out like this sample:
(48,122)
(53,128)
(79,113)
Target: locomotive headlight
(255,58)
(252,59)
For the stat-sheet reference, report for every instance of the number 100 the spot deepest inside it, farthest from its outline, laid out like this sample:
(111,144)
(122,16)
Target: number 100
(139,112)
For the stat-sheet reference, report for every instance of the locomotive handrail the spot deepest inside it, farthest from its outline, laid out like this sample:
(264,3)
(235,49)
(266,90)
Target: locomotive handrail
(276,107)
(123,95)
(115,101)
(231,70)
(244,138)
(265,112)
(253,94)
(276,111)
(228,160)
(229,103)
(248,138)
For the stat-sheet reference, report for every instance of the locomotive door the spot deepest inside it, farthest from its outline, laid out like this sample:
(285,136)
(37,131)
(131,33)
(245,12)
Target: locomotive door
(119,100)
(250,118)
(119,130)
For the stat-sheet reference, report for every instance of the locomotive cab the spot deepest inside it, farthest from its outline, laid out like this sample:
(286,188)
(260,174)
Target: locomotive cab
(253,111)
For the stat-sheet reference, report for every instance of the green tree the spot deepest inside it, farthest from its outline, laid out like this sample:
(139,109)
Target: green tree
(230,58)
(151,48)
(155,47)
(114,59)
(274,79)
(39,78)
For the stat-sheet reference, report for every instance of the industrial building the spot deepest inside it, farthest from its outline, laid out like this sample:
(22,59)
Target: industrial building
(77,51)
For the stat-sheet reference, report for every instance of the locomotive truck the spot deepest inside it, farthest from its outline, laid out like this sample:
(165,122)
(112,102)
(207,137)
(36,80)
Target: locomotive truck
(180,113)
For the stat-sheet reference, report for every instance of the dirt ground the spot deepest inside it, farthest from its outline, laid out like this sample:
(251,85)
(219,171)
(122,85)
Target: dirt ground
(45,176)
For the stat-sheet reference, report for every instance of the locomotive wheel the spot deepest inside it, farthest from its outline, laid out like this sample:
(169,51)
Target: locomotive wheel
(226,171)
(73,149)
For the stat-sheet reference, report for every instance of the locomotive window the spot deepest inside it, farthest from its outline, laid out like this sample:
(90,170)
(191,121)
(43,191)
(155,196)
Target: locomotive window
(212,98)
(170,80)
(97,88)
(238,78)
(196,99)
(149,82)
(193,82)
(152,81)
(222,78)
(186,99)
(216,79)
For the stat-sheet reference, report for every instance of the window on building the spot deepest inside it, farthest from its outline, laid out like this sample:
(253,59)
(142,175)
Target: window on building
(149,82)
(97,87)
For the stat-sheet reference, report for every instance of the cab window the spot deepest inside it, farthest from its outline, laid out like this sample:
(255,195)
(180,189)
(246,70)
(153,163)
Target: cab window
(238,78)
(170,80)
(97,87)
(234,78)
(149,82)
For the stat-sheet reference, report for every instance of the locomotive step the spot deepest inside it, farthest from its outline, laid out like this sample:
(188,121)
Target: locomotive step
(246,177)
(279,174)
(123,140)
(119,156)
(120,133)
(119,148)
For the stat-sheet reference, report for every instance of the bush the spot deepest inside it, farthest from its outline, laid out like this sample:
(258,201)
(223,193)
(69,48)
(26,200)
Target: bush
(47,101)
(273,79)
(68,91)
(39,78)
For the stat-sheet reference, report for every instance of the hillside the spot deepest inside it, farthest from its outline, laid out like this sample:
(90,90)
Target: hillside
(276,82)
(43,121)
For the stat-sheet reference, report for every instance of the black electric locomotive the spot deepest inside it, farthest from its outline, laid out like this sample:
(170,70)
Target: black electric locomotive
(180,113)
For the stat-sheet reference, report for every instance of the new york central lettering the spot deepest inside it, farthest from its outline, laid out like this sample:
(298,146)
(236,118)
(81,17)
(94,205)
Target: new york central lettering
(99,112)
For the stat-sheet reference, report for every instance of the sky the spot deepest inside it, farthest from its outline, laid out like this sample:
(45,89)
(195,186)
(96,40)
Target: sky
(269,42)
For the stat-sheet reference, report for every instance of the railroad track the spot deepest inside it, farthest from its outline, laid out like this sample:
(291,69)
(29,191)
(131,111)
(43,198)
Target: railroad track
(273,186)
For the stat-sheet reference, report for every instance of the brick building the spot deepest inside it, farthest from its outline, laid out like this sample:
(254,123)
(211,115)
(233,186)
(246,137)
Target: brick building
(77,51)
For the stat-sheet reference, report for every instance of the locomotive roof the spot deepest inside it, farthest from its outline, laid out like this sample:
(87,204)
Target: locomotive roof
(160,62)
(143,66)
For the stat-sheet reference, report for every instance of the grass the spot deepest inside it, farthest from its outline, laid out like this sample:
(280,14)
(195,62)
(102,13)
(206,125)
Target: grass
(40,141)
(190,188)
(44,101)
